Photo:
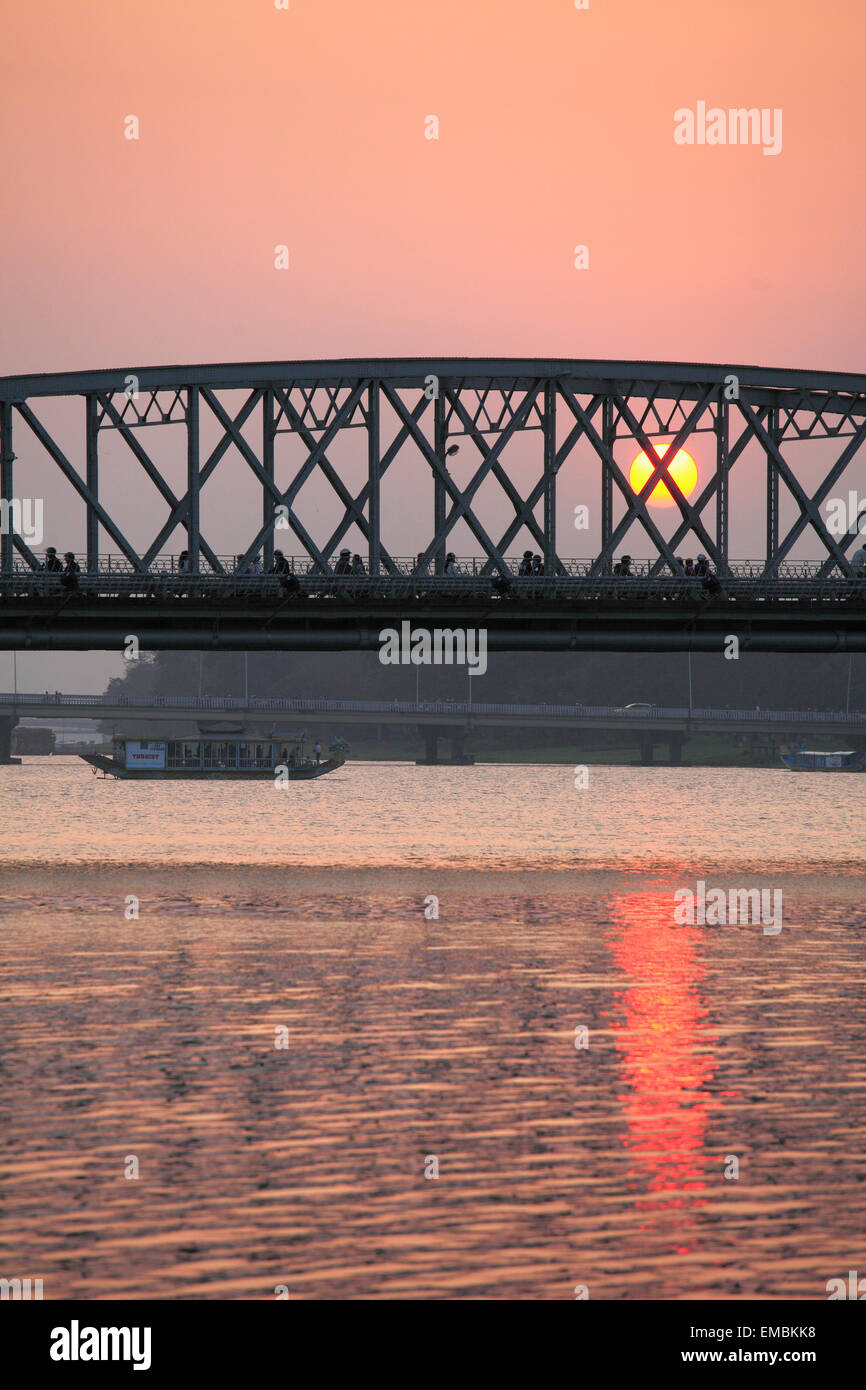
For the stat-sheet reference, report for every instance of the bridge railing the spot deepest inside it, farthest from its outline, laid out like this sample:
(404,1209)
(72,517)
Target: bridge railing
(301,705)
(472,567)
(166,586)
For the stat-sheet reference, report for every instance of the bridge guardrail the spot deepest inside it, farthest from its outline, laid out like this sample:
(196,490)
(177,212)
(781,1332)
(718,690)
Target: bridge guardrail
(278,704)
(158,587)
(405,567)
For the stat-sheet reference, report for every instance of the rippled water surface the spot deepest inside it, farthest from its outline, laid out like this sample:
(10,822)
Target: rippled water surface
(396,815)
(414,1039)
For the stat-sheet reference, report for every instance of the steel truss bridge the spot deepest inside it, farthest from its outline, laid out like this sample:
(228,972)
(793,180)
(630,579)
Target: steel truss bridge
(424,407)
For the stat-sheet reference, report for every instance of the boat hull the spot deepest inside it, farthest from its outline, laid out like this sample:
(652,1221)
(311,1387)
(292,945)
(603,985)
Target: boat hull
(110,768)
(794,762)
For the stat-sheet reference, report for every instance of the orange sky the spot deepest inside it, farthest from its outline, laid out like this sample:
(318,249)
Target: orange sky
(306,127)
(260,127)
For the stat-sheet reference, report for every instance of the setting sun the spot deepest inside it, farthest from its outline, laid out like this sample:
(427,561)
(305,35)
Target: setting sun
(683,471)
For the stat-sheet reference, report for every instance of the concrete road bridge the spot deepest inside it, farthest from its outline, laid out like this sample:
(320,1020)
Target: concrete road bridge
(670,725)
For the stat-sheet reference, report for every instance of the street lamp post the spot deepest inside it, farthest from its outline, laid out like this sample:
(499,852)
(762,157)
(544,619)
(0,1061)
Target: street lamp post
(447,450)
(848,695)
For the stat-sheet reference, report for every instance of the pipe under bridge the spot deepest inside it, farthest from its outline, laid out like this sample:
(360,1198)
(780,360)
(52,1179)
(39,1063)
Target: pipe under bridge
(363,428)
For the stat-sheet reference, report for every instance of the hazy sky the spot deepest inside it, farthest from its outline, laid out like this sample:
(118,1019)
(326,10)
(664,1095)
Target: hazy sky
(261,126)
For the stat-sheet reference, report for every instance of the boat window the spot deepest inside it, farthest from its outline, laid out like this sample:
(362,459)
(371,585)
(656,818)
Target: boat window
(184,753)
(216,755)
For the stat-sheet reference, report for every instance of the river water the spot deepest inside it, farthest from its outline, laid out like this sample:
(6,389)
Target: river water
(611,1100)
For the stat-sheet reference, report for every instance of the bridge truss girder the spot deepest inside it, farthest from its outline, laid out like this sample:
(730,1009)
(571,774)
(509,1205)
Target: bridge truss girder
(486,403)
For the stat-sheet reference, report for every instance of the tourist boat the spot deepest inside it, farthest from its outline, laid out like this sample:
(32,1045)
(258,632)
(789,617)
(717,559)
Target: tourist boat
(800,760)
(217,754)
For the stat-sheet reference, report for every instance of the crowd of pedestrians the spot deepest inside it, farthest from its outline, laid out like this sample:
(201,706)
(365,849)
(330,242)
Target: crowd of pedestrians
(531,565)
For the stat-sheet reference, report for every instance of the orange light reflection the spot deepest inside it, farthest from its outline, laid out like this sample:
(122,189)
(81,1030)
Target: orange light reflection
(664,1046)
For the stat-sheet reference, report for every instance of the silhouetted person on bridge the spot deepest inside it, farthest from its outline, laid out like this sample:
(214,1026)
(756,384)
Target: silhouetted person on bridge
(450,564)
(344,564)
(71,571)
(183,567)
(51,564)
(525,566)
(288,579)
(623,567)
(358,565)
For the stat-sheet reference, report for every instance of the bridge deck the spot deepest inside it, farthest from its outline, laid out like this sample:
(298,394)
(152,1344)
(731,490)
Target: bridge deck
(662,718)
(343,613)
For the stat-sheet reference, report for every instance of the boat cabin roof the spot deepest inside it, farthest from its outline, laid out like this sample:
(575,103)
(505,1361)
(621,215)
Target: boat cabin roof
(212,737)
(824,753)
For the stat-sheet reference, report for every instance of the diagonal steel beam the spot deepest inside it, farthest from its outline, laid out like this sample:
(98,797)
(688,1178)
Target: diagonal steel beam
(78,483)
(248,453)
(179,513)
(804,502)
(688,512)
(179,509)
(711,487)
(522,512)
(354,506)
(440,471)
(490,457)
(636,502)
(537,493)
(316,455)
(854,443)
(23,549)
(490,462)
(287,498)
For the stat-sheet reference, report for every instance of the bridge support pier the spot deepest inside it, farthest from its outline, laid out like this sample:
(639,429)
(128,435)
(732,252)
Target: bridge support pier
(432,735)
(431,748)
(646,750)
(675,749)
(6,727)
(458,752)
